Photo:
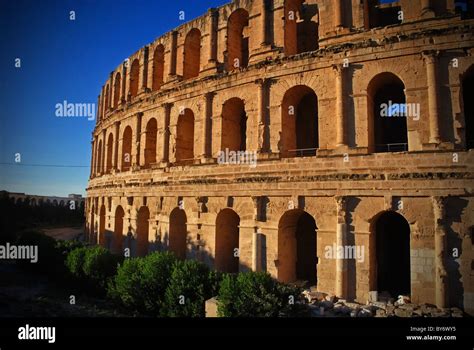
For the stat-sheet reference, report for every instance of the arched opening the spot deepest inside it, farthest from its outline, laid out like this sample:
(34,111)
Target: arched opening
(237,40)
(150,142)
(185,137)
(118,230)
(468,107)
(110,147)
(297,249)
(378,14)
(142,231)
(126,148)
(99,158)
(234,125)
(301,32)
(299,129)
(117,90)
(192,54)
(387,114)
(178,233)
(158,67)
(392,242)
(227,241)
(134,74)
(102,241)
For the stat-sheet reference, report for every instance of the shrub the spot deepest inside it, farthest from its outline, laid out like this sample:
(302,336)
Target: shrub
(140,283)
(125,287)
(99,266)
(49,258)
(188,289)
(256,294)
(75,262)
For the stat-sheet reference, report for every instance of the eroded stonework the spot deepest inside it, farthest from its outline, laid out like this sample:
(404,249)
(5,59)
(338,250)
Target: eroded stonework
(302,84)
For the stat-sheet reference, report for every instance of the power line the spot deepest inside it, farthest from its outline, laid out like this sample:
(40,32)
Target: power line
(46,165)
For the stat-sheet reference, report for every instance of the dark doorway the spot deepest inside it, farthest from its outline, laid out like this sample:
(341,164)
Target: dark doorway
(393,254)
(468,103)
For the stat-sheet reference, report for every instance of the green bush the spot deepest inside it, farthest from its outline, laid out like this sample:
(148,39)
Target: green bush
(188,289)
(125,287)
(99,266)
(256,294)
(75,262)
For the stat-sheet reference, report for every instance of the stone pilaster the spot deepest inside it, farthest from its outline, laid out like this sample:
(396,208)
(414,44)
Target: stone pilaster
(441,277)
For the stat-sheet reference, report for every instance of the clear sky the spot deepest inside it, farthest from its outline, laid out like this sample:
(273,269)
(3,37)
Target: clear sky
(67,60)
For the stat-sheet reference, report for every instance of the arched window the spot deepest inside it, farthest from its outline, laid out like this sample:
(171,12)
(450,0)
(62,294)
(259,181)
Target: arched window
(150,142)
(299,129)
(117,90)
(142,231)
(387,114)
(237,41)
(301,30)
(118,230)
(234,125)
(227,241)
(185,137)
(107,101)
(178,233)
(126,149)
(134,76)
(110,147)
(99,168)
(192,54)
(158,67)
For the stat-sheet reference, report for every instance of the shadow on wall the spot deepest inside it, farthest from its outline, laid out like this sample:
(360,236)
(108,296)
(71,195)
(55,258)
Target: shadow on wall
(454,211)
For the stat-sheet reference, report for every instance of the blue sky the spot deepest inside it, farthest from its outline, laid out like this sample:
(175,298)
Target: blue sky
(66,60)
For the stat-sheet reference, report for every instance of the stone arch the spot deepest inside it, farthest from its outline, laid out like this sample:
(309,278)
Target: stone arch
(387,131)
(237,41)
(118,230)
(110,147)
(297,247)
(390,241)
(150,142)
(299,129)
(127,148)
(143,217)
(468,106)
(134,77)
(185,137)
(234,125)
(118,79)
(158,67)
(192,54)
(178,233)
(99,158)
(102,226)
(227,241)
(300,32)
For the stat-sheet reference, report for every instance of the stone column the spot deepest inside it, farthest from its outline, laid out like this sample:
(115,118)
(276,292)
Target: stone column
(166,133)
(433,102)
(341,266)
(144,71)
(97,115)
(263,23)
(123,82)
(441,286)
(116,145)
(138,132)
(426,9)
(104,152)
(340,110)
(255,252)
(206,125)
(262,114)
(212,18)
(92,158)
(338,20)
(173,54)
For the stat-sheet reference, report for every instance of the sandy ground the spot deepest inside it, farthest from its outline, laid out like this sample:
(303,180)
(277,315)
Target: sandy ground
(64,233)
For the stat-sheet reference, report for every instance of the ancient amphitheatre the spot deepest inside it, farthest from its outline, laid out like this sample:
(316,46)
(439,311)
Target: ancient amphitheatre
(300,83)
